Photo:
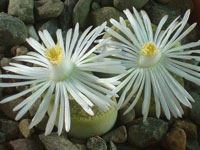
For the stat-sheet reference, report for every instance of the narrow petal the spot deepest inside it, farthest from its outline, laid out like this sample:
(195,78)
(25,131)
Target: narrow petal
(53,115)
(39,115)
(67,111)
(29,101)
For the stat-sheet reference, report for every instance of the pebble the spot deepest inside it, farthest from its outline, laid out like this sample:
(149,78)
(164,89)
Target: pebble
(80,13)
(24,144)
(195,111)
(3,147)
(51,26)
(24,128)
(2,137)
(143,134)
(32,32)
(55,142)
(81,147)
(96,143)
(23,9)
(34,107)
(156,11)
(124,4)
(95,6)
(9,128)
(7,108)
(163,1)
(127,118)
(126,147)
(101,15)
(175,140)
(3,4)
(181,9)
(192,145)
(18,50)
(112,146)
(3,49)
(106,3)
(12,30)
(118,135)
(189,128)
(4,62)
(46,11)
(65,19)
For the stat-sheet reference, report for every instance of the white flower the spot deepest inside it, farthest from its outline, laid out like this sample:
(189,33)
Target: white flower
(63,69)
(150,58)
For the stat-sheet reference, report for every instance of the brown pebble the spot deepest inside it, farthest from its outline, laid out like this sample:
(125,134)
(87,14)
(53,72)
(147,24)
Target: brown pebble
(175,140)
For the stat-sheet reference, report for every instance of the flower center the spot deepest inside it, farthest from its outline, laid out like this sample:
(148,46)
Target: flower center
(148,49)
(55,54)
(149,55)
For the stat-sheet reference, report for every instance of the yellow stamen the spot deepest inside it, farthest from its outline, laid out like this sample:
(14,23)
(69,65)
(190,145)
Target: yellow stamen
(148,49)
(55,54)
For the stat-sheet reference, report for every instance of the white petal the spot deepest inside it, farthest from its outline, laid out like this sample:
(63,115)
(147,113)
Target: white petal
(147,95)
(43,106)
(13,97)
(53,115)
(74,39)
(60,39)
(29,101)
(44,40)
(49,38)
(67,111)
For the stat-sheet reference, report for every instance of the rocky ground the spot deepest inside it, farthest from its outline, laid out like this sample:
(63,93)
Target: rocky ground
(20,19)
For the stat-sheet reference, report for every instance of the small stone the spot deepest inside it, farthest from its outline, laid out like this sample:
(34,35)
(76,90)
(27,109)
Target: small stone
(42,124)
(7,108)
(46,11)
(22,9)
(2,137)
(95,6)
(106,3)
(154,147)
(156,11)
(96,143)
(24,144)
(3,50)
(105,14)
(126,147)
(35,107)
(3,4)
(51,26)
(195,111)
(143,134)
(65,19)
(12,30)
(4,62)
(189,128)
(55,142)
(32,32)
(80,12)
(175,140)
(112,146)
(163,1)
(127,118)
(192,145)
(9,128)
(118,135)
(183,5)
(3,147)
(24,128)
(19,50)
(124,4)
(81,147)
